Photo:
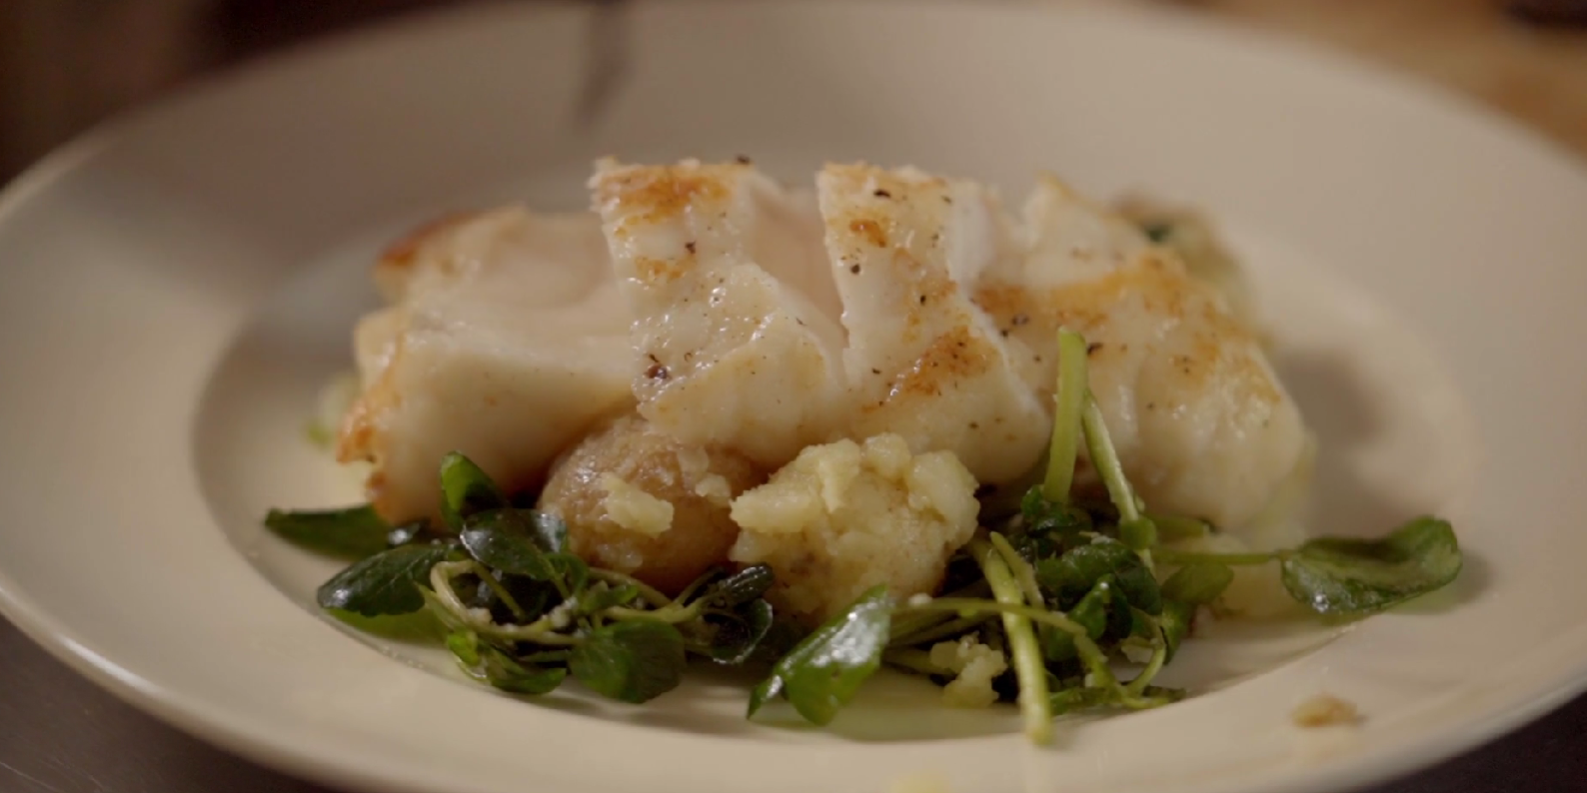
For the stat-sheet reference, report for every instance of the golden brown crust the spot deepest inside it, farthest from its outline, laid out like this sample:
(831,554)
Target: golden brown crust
(396,264)
(358,438)
(1217,346)
(874,220)
(870,230)
(651,270)
(650,195)
(951,358)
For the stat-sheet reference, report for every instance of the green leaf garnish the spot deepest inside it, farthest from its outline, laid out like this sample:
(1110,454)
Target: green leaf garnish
(419,627)
(489,664)
(1080,698)
(601,597)
(741,587)
(1091,612)
(354,532)
(1072,575)
(410,532)
(632,661)
(1173,528)
(1042,516)
(822,673)
(507,540)
(733,636)
(1198,583)
(383,584)
(1176,621)
(465,490)
(1348,577)
(1140,534)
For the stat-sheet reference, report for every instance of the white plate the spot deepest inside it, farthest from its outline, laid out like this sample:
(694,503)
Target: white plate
(176,286)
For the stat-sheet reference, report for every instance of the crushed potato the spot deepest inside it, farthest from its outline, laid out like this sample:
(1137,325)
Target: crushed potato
(977,666)
(633,509)
(843,517)
(638,501)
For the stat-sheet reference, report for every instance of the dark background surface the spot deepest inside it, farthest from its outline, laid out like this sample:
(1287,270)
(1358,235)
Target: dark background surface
(66,63)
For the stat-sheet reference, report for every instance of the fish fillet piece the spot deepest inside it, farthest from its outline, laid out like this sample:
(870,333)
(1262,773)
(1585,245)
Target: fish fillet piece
(1200,420)
(1068,239)
(506,339)
(1073,238)
(925,362)
(1193,236)
(727,350)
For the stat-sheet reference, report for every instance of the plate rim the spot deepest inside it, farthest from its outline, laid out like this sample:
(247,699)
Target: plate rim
(41,627)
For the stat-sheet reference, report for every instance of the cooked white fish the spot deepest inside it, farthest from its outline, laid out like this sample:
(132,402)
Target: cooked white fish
(1201,422)
(1193,236)
(924,361)
(721,323)
(506,340)
(727,351)
(1072,238)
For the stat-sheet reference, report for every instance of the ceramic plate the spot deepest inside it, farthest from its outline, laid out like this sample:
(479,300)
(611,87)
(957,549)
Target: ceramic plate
(177,286)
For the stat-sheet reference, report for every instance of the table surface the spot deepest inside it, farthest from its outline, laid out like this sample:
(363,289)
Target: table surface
(61,734)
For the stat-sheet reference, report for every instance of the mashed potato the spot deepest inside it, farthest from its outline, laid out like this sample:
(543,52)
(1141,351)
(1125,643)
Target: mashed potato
(977,666)
(843,517)
(639,502)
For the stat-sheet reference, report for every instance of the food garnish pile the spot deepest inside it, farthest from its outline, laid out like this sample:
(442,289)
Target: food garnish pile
(883,423)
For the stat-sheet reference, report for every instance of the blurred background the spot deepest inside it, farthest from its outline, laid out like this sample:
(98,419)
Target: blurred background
(65,64)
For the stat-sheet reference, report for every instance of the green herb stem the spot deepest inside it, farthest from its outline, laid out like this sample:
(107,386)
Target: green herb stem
(1068,406)
(688,591)
(967,607)
(941,630)
(1171,556)
(671,615)
(546,657)
(914,623)
(1153,666)
(1106,460)
(913,660)
(501,592)
(540,631)
(1179,527)
(1024,575)
(652,595)
(1034,700)
(1091,655)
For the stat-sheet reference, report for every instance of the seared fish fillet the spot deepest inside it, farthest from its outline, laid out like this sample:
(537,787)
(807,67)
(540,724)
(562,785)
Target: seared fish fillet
(726,350)
(924,361)
(506,340)
(1202,424)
